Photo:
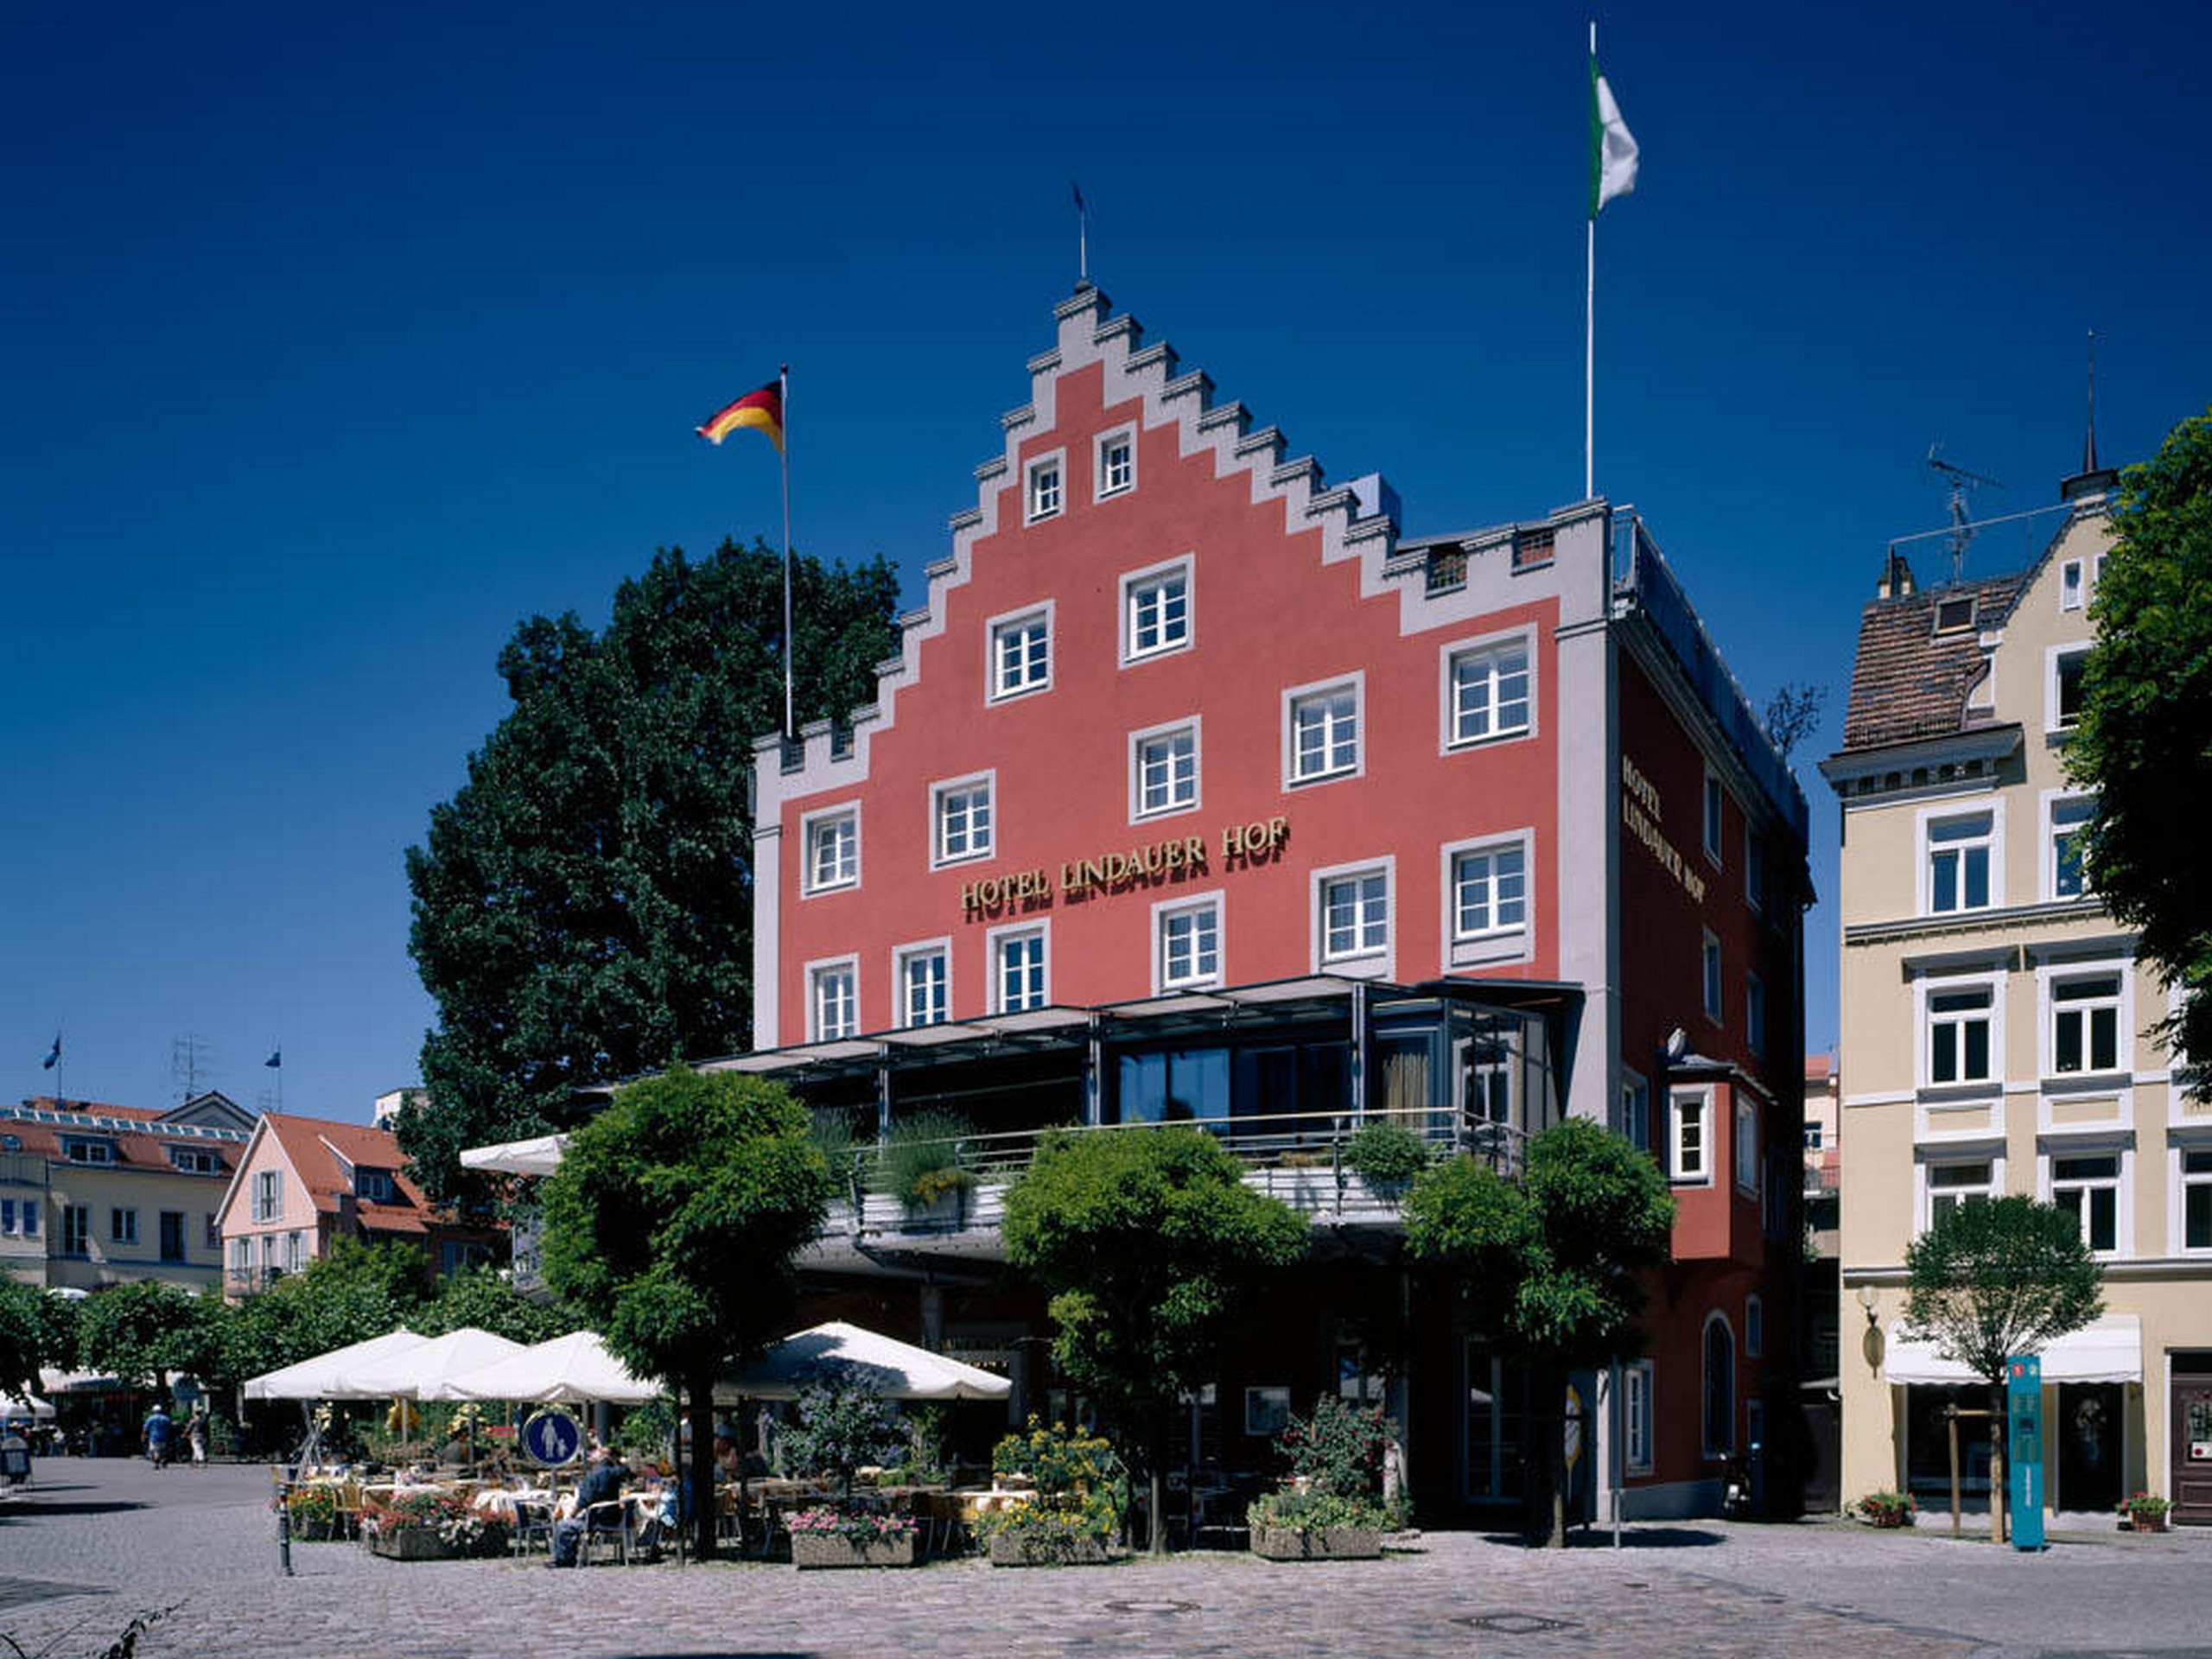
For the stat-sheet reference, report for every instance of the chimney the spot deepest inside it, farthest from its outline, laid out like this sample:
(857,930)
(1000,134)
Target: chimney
(1897,580)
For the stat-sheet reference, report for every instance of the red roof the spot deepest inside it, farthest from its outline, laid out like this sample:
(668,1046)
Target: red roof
(324,1155)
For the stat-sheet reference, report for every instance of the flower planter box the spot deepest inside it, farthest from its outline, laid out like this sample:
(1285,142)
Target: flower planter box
(828,1549)
(1317,1544)
(411,1544)
(1015,1548)
(1888,1519)
(319,1530)
(2148,1523)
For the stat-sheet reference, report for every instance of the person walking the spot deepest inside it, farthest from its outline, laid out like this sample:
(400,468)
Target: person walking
(157,1431)
(195,1436)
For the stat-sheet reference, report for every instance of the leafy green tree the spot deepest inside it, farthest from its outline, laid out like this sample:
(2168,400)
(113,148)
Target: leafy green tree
(1995,1278)
(583,906)
(36,1329)
(1556,1259)
(2144,741)
(674,1222)
(1146,1239)
(359,1290)
(484,1297)
(136,1332)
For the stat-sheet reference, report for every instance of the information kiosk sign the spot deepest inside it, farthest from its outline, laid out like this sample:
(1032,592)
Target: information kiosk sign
(552,1438)
(2024,1423)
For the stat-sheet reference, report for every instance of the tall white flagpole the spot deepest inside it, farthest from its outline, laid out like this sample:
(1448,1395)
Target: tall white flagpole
(1590,312)
(784,415)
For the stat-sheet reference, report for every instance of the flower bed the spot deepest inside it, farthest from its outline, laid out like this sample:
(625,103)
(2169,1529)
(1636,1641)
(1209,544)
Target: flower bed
(1331,1509)
(1082,1495)
(1886,1508)
(831,1537)
(2146,1513)
(429,1526)
(1317,1543)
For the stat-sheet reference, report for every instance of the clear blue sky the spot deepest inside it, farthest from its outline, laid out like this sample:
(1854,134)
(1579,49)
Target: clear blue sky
(337,341)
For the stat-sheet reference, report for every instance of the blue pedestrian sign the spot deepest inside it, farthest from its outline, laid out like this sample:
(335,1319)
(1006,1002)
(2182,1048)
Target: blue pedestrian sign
(552,1438)
(2024,1460)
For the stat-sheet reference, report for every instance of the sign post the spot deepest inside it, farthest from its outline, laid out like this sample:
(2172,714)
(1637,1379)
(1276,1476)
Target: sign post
(2023,1418)
(551,1439)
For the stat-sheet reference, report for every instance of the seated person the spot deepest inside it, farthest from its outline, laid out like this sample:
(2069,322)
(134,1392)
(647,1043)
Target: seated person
(602,1483)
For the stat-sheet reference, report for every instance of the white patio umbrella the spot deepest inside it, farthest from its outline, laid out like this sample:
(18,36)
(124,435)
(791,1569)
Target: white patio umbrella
(14,1407)
(329,1377)
(406,1373)
(540,1155)
(837,1351)
(572,1369)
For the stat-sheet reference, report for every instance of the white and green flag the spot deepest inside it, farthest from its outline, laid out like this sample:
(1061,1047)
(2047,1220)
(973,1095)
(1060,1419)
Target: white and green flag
(1612,148)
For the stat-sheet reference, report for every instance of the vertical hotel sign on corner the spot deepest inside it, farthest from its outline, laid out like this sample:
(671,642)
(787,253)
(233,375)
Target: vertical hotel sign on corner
(1643,812)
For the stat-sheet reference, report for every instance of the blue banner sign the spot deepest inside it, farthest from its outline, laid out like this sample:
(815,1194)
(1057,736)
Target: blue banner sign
(552,1438)
(2024,1460)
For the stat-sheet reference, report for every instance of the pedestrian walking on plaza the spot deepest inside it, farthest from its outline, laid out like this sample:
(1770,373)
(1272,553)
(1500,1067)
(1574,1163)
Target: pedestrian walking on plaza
(196,1436)
(156,1432)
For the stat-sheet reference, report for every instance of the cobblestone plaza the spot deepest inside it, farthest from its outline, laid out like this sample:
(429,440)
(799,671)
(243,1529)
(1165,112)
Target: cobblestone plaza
(96,1542)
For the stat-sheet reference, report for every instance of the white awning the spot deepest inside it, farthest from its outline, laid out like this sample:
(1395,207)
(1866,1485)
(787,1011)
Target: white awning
(540,1155)
(2109,1351)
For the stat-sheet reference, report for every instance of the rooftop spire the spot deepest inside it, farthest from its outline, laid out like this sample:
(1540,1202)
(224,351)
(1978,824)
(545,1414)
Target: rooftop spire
(2092,480)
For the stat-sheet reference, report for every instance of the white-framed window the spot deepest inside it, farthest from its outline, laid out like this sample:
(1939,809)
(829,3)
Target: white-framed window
(1164,770)
(833,1000)
(1754,1328)
(2193,1169)
(1715,794)
(195,1161)
(1186,943)
(1636,1109)
(2063,687)
(1047,492)
(267,1194)
(1116,471)
(122,1226)
(293,1255)
(2070,585)
(1352,918)
(1755,1013)
(375,1186)
(1692,1147)
(1718,1432)
(1948,1183)
(1488,689)
(1020,969)
(1747,1149)
(1815,1135)
(2085,1021)
(1156,611)
(1321,731)
(2066,825)
(832,838)
(1636,1416)
(2087,1185)
(76,1230)
(1486,900)
(241,1256)
(1021,653)
(1709,970)
(960,819)
(924,977)
(1960,861)
(1960,1030)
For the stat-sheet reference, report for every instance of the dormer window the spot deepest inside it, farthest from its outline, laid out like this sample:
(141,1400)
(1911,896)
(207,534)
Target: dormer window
(195,1161)
(78,1150)
(1954,615)
(373,1185)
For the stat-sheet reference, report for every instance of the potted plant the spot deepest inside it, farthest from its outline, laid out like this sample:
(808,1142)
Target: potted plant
(312,1514)
(1387,1155)
(411,1525)
(1081,1498)
(923,1168)
(1331,1507)
(842,1427)
(1886,1509)
(2146,1512)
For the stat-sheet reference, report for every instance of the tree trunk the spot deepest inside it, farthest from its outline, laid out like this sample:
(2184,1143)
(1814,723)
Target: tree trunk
(1998,1494)
(1546,1507)
(1156,1475)
(699,1478)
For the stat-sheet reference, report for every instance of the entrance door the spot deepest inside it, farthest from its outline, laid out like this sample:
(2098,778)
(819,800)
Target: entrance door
(1494,1424)
(2089,1447)
(2191,1441)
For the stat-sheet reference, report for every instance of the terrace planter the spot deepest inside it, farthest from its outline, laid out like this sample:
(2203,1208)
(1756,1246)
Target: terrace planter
(316,1529)
(1014,1547)
(823,1549)
(411,1544)
(1317,1543)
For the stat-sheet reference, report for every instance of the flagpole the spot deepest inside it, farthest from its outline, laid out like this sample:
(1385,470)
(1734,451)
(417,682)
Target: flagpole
(783,449)
(1589,332)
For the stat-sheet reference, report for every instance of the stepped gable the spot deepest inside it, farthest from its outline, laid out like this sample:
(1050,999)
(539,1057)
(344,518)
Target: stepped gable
(1909,681)
(1089,335)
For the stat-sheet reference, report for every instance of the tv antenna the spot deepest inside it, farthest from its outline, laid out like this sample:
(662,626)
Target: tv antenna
(1960,481)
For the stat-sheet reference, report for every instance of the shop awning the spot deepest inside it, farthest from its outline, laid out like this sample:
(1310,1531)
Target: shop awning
(2109,1351)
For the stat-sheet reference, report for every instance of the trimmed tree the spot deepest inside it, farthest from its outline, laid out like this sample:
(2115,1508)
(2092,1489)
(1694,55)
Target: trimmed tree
(2144,740)
(136,1332)
(674,1222)
(583,906)
(1146,1239)
(36,1329)
(1555,1260)
(1994,1278)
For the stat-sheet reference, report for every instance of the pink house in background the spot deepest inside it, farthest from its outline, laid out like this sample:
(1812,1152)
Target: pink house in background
(303,1183)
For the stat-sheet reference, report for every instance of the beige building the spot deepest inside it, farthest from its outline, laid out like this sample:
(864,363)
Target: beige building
(94,1194)
(1994,1040)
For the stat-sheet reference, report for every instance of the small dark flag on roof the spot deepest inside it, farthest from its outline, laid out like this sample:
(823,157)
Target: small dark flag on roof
(276,1057)
(53,1055)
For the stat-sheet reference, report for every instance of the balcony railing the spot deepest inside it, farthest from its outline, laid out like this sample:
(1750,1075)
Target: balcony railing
(248,1282)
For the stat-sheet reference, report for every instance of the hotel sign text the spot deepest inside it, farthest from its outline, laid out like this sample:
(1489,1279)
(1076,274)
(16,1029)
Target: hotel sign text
(1640,811)
(1241,846)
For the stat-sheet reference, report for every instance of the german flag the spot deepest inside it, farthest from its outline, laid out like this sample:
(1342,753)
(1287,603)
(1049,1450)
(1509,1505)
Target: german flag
(763,409)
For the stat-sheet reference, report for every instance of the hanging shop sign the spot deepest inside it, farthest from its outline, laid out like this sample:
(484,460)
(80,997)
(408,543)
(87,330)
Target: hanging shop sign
(1237,846)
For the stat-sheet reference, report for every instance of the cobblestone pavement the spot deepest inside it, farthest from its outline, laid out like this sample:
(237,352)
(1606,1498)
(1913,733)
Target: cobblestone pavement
(95,1542)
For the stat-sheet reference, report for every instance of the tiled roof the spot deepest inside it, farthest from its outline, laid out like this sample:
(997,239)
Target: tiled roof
(1908,682)
(316,1148)
(131,1151)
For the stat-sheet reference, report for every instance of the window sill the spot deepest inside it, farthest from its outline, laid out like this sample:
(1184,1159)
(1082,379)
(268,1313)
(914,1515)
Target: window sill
(1135,659)
(953,861)
(834,886)
(1320,777)
(1457,745)
(1476,949)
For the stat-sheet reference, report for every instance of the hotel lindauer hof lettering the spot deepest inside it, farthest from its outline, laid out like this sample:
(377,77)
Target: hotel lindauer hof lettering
(1241,845)
(1640,811)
